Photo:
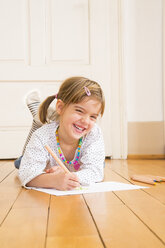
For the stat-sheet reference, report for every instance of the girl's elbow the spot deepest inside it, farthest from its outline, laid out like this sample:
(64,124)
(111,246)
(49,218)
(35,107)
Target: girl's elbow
(100,177)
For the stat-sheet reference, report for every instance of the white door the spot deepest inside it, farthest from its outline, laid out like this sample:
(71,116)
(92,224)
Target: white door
(42,43)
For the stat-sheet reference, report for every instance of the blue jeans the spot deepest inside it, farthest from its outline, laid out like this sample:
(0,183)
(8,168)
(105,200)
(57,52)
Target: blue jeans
(17,162)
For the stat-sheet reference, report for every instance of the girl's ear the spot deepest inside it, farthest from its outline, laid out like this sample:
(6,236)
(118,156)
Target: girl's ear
(59,106)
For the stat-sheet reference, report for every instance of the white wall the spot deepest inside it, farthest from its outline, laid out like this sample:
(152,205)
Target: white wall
(143,60)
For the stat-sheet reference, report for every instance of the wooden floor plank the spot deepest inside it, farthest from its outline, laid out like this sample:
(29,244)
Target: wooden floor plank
(24,227)
(148,209)
(126,168)
(147,166)
(9,190)
(26,223)
(5,169)
(154,168)
(70,224)
(74,242)
(2,162)
(119,227)
(32,199)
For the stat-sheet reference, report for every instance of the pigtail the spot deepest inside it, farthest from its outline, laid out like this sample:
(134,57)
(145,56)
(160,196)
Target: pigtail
(44,107)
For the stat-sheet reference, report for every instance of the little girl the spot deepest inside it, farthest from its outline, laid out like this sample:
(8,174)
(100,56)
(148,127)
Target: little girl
(73,136)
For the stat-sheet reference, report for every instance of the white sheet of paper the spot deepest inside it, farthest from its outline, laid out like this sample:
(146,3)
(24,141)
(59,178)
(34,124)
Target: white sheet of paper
(93,188)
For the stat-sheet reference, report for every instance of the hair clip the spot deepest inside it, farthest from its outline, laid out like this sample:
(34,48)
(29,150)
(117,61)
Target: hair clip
(87,91)
(55,96)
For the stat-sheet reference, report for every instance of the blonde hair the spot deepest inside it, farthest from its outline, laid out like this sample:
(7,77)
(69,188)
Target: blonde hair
(73,91)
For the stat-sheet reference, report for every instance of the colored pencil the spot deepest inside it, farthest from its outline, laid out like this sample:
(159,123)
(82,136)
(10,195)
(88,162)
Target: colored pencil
(57,159)
(143,179)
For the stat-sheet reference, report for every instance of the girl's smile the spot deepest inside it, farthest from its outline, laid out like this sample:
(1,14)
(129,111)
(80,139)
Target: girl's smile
(78,128)
(76,120)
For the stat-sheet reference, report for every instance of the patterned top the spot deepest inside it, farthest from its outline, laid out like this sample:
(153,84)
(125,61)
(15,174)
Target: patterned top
(36,158)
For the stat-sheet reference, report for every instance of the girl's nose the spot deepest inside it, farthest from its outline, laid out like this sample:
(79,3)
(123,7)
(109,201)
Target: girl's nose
(85,120)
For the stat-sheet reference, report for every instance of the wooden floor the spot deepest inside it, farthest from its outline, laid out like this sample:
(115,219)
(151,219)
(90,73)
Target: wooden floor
(134,218)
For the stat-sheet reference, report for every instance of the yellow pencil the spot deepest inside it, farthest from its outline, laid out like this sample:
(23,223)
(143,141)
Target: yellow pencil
(57,159)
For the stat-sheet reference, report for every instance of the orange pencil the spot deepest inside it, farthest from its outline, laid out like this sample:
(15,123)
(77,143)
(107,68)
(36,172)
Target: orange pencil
(57,159)
(143,179)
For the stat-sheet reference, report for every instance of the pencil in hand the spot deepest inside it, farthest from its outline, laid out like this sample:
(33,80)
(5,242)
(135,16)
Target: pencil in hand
(57,159)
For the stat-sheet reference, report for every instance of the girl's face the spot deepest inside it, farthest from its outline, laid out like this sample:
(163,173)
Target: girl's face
(76,120)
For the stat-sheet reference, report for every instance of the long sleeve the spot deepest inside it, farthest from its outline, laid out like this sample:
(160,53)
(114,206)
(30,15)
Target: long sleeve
(34,160)
(92,158)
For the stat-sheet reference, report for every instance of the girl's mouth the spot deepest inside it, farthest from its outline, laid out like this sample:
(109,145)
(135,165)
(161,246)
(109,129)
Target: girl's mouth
(78,128)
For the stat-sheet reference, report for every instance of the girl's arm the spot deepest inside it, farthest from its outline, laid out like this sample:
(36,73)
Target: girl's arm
(58,180)
(33,164)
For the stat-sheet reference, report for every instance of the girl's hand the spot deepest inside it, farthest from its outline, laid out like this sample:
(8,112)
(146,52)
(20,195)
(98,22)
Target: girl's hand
(53,169)
(62,180)
(55,178)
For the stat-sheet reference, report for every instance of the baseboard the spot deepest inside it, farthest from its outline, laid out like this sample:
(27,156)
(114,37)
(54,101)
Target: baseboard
(146,156)
(146,138)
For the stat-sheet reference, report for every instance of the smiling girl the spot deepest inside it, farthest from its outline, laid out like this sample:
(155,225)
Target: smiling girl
(73,136)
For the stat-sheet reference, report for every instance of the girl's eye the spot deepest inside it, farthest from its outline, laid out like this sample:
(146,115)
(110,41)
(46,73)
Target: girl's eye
(94,117)
(79,110)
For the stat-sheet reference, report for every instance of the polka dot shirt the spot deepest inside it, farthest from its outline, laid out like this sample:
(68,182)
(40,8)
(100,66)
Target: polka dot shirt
(36,158)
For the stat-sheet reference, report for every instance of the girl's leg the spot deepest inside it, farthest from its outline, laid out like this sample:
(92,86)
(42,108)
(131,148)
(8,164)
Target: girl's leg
(33,102)
(17,162)
(34,127)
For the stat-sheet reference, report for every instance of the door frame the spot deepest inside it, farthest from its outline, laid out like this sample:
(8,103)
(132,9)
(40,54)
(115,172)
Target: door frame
(117,80)
(163,45)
